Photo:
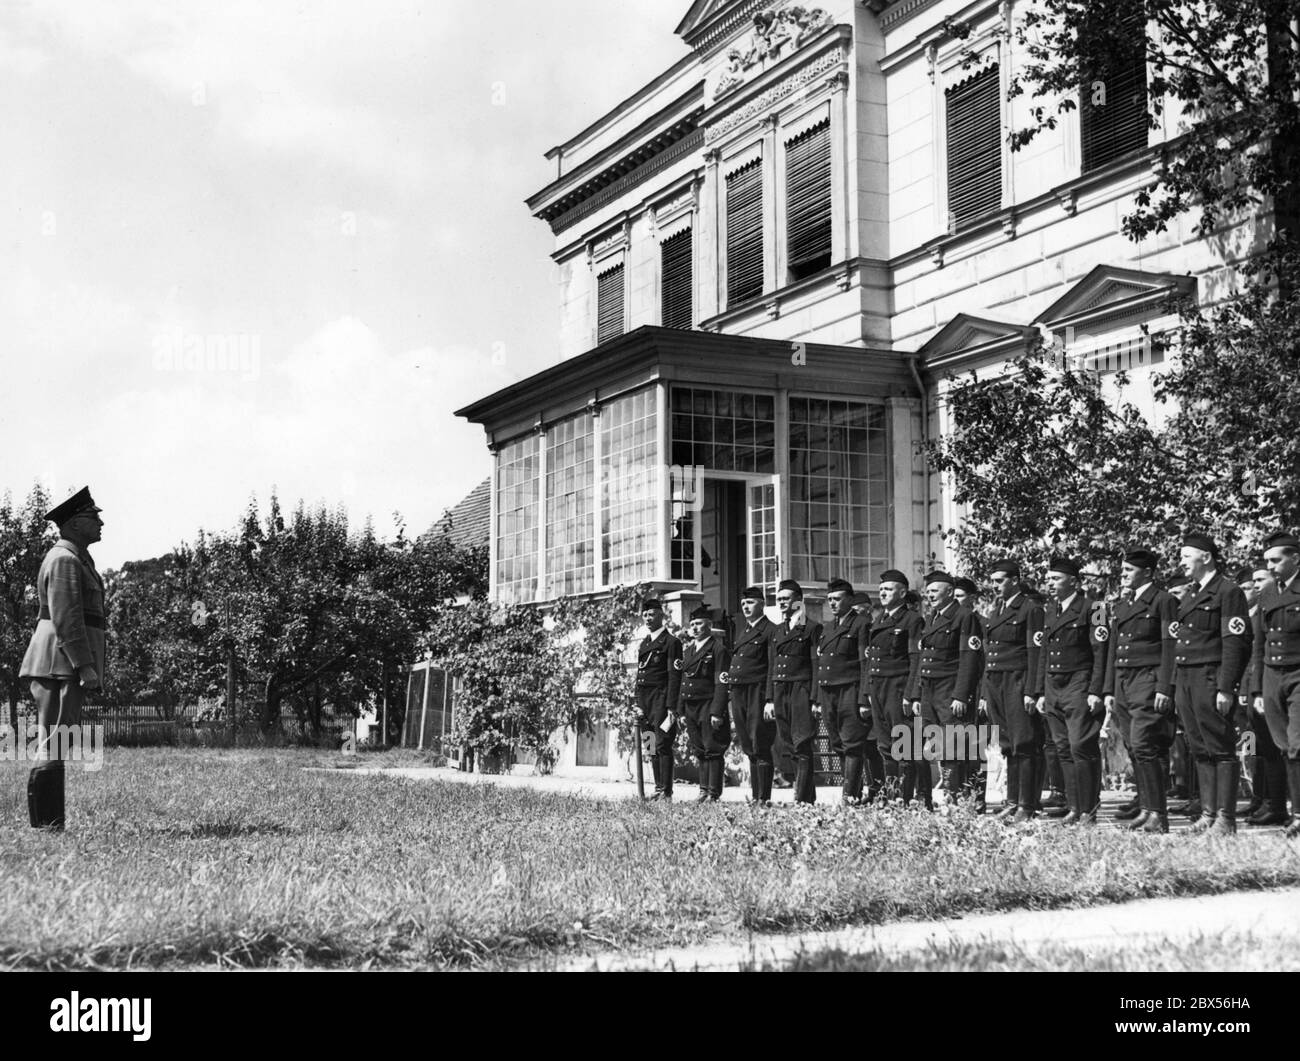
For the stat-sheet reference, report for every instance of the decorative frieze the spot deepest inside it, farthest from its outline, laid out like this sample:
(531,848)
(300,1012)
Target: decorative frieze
(776,34)
(762,103)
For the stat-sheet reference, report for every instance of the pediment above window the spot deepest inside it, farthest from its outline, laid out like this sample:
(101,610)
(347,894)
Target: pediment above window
(1111,292)
(968,332)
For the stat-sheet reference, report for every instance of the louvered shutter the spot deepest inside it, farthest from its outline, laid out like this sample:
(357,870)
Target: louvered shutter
(974,146)
(745,233)
(676,288)
(808,201)
(1110,130)
(609,304)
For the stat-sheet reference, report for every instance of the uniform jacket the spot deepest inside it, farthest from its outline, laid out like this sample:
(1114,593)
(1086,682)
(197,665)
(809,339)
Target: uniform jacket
(70,632)
(751,653)
(949,646)
(1214,628)
(1073,640)
(656,660)
(1012,636)
(794,652)
(891,647)
(701,668)
(1277,631)
(839,651)
(1142,635)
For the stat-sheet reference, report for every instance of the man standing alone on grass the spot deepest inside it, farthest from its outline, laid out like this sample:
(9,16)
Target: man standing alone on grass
(658,679)
(1013,634)
(1277,659)
(1210,658)
(749,681)
(1139,683)
(703,701)
(65,659)
(794,651)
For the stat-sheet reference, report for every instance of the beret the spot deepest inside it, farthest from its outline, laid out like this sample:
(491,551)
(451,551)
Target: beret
(839,585)
(702,612)
(1201,541)
(753,593)
(1283,540)
(967,586)
(1065,565)
(650,603)
(789,585)
(939,576)
(1142,558)
(894,576)
(1010,567)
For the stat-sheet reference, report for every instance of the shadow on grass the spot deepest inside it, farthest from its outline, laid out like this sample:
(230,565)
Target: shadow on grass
(220,830)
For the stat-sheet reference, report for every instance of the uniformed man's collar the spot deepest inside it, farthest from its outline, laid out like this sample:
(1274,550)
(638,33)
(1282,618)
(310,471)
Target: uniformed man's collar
(798,620)
(1137,593)
(1011,600)
(891,612)
(1065,604)
(1200,588)
(661,630)
(700,643)
(79,550)
(1290,582)
(944,609)
(754,622)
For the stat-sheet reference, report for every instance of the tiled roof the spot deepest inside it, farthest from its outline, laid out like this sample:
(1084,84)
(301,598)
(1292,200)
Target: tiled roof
(467,523)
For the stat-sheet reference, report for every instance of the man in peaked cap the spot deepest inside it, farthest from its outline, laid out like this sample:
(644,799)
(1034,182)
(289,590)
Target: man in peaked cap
(658,679)
(703,700)
(1213,647)
(839,675)
(1068,687)
(944,684)
(891,643)
(794,656)
(749,681)
(65,658)
(1013,634)
(1277,658)
(1139,683)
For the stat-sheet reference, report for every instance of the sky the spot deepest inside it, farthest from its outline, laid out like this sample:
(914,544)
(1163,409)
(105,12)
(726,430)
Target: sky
(256,246)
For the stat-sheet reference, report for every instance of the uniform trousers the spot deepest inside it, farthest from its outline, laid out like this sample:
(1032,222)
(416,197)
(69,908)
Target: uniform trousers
(1150,733)
(1075,732)
(1281,687)
(798,729)
(755,732)
(959,754)
(653,703)
(887,714)
(1020,735)
(58,703)
(1211,736)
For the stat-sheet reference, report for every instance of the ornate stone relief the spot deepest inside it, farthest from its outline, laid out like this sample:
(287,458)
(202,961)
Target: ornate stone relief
(776,33)
(761,104)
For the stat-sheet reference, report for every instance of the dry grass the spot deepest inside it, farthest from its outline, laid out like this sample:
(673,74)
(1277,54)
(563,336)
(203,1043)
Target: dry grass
(184,858)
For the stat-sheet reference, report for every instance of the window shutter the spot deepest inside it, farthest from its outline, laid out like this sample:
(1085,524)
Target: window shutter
(808,201)
(676,288)
(1108,131)
(974,146)
(745,233)
(609,304)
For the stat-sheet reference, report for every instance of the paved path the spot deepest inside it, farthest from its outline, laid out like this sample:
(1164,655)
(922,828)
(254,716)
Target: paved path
(1097,929)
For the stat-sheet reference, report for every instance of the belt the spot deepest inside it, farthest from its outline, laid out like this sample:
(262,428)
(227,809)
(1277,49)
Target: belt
(97,621)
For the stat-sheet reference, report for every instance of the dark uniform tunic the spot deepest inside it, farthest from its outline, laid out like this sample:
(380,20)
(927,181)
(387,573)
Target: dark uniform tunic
(658,680)
(703,697)
(1012,636)
(794,651)
(1140,664)
(749,682)
(892,642)
(1277,665)
(1212,629)
(1072,667)
(839,675)
(948,661)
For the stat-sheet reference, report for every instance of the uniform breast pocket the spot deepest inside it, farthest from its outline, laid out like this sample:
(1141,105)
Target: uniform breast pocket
(1013,633)
(1203,619)
(1291,618)
(847,649)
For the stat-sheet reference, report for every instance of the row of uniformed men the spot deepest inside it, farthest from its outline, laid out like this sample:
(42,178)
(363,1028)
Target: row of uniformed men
(1034,671)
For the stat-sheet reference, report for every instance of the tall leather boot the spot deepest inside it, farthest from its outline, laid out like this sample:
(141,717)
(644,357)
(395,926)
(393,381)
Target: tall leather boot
(979,785)
(1272,773)
(1255,771)
(907,785)
(1134,808)
(1087,779)
(1207,782)
(892,787)
(666,766)
(1070,769)
(851,791)
(805,784)
(924,783)
(704,780)
(1157,776)
(45,796)
(1293,779)
(717,778)
(873,767)
(1141,779)
(1227,778)
(659,781)
(755,784)
(765,771)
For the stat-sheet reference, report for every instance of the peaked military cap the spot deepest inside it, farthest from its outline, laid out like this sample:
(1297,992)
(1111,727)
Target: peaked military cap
(78,502)
(1282,540)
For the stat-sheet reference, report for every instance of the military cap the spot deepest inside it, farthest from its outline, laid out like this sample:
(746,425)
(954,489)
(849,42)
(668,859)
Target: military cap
(753,593)
(789,585)
(77,503)
(1281,540)
(966,585)
(862,597)
(651,604)
(939,576)
(1065,565)
(1246,573)
(839,585)
(1201,541)
(894,576)
(1176,581)
(1009,567)
(1142,558)
(702,612)
(911,598)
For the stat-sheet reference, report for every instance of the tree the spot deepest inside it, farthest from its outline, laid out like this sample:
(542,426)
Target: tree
(1226,459)
(25,537)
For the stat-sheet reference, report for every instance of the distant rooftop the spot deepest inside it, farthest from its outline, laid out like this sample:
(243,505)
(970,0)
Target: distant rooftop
(467,524)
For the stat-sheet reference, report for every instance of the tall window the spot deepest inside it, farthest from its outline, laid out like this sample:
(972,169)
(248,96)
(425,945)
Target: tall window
(745,233)
(609,304)
(676,287)
(724,431)
(808,202)
(629,482)
(517,512)
(974,146)
(1113,103)
(839,490)
(570,493)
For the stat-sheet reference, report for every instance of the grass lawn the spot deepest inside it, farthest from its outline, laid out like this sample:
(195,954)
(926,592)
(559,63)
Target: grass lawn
(188,858)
